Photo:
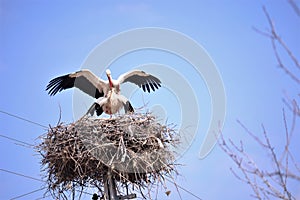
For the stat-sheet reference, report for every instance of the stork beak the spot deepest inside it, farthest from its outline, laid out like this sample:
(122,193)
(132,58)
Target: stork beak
(108,74)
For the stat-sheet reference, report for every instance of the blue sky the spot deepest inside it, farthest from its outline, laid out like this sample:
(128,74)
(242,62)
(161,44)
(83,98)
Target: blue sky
(40,40)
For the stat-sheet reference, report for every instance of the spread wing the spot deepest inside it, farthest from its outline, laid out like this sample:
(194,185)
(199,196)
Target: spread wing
(84,80)
(141,79)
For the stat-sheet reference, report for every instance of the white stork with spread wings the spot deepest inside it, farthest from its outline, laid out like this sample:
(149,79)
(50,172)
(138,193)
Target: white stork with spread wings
(109,91)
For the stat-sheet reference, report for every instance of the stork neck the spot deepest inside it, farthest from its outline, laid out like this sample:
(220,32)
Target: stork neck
(110,82)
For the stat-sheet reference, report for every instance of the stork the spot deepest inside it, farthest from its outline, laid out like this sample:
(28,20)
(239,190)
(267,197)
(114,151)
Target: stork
(110,104)
(107,93)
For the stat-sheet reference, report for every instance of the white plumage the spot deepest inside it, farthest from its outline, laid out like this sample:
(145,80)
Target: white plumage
(107,93)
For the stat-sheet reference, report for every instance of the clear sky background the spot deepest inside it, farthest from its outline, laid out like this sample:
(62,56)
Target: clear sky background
(40,40)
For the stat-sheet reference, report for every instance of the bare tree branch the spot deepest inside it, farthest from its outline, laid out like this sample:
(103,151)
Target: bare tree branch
(271,182)
(295,7)
(275,38)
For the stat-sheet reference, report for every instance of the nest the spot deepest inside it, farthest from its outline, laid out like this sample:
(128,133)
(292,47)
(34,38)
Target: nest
(133,148)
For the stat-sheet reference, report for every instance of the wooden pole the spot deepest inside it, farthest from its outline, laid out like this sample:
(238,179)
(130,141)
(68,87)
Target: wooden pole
(110,189)
(106,188)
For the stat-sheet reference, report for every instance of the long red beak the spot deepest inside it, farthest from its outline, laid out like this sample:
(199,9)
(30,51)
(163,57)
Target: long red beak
(110,82)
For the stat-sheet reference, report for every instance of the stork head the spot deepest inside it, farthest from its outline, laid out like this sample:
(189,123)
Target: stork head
(108,74)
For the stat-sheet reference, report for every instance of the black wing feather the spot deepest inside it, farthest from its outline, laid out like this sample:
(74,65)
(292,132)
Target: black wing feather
(147,86)
(144,88)
(65,82)
(145,82)
(155,85)
(95,107)
(128,107)
(151,85)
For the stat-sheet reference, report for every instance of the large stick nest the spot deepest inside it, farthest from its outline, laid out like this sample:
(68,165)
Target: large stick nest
(134,148)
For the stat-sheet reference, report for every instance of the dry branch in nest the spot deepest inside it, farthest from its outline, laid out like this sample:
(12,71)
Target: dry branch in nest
(133,148)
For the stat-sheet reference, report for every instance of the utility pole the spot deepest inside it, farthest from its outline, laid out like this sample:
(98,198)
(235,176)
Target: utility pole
(110,190)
